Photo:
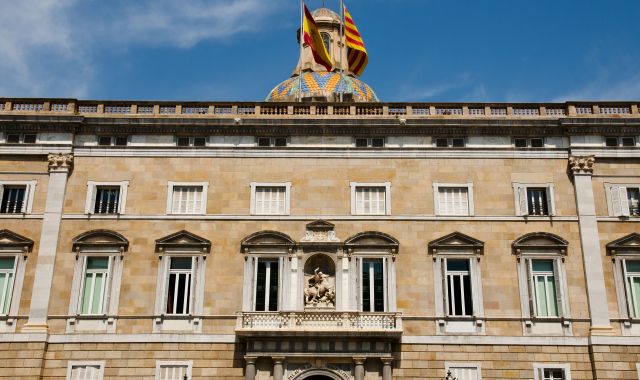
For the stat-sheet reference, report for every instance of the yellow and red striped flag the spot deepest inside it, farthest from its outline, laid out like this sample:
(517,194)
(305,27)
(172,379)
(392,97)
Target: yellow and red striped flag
(356,53)
(313,38)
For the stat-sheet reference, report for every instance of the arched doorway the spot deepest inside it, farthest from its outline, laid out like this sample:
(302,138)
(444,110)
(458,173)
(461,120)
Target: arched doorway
(318,377)
(318,374)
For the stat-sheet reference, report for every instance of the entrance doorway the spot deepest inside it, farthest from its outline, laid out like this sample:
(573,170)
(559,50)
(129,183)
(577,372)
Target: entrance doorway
(318,377)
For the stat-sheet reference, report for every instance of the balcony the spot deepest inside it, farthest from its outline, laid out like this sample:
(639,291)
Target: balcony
(318,323)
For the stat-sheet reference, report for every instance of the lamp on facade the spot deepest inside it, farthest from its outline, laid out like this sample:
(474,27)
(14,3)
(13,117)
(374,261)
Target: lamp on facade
(450,376)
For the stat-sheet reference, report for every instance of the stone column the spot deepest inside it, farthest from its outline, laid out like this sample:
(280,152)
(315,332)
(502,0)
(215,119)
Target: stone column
(59,167)
(278,368)
(359,368)
(386,368)
(250,367)
(582,170)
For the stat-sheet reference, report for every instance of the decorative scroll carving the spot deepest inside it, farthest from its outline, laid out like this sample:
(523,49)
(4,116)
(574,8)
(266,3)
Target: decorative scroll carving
(60,162)
(581,164)
(320,231)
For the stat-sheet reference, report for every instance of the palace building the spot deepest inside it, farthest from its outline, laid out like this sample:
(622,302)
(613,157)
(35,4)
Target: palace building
(322,234)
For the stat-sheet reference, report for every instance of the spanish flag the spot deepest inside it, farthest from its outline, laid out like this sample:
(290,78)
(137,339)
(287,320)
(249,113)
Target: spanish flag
(356,53)
(313,38)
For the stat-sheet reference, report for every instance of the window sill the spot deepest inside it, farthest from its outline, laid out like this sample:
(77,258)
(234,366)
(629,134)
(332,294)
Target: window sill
(91,324)
(177,323)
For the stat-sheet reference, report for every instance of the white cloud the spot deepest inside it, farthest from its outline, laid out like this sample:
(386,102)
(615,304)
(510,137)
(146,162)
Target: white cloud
(47,47)
(604,87)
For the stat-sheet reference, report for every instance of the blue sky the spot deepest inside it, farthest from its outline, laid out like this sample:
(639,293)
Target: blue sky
(420,50)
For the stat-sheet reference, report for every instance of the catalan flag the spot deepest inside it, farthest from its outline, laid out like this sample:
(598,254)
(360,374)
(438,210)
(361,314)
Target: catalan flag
(356,53)
(313,38)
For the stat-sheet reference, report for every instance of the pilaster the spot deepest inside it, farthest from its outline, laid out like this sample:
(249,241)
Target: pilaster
(582,170)
(250,367)
(60,166)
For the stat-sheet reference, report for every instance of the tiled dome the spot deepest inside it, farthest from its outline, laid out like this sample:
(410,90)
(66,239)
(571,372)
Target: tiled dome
(326,13)
(322,84)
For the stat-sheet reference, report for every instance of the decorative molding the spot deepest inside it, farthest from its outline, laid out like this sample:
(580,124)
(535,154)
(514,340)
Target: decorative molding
(320,231)
(100,239)
(182,240)
(581,164)
(626,244)
(540,241)
(12,240)
(60,162)
(456,240)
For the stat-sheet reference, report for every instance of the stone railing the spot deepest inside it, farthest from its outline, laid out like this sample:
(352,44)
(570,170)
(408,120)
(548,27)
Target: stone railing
(318,321)
(278,110)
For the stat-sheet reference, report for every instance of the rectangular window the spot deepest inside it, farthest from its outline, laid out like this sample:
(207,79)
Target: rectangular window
(458,287)
(113,140)
(21,138)
(191,141)
(631,269)
(537,203)
(95,285)
(173,370)
(267,279)
(179,286)
(270,200)
(552,371)
(464,371)
(85,370)
(369,142)
(623,200)
(272,141)
(107,200)
(13,199)
(187,200)
(453,201)
(619,141)
(372,285)
(370,200)
(451,142)
(543,282)
(7,278)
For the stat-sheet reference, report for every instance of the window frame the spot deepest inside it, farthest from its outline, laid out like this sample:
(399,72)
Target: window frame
(436,197)
(272,141)
(170,191)
(99,363)
(528,301)
(191,143)
(92,190)
(19,269)
(449,142)
(619,141)
(20,137)
(113,140)
(29,193)
(528,142)
(369,140)
(538,370)
(621,250)
(522,204)
(174,363)
(614,193)
(287,196)
(477,365)
(387,196)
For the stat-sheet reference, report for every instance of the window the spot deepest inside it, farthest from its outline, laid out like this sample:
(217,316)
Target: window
(534,142)
(623,200)
(371,198)
(187,198)
(267,284)
(270,198)
(95,288)
(453,199)
(626,268)
(552,371)
(191,141)
(457,283)
(106,197)
(85,370)
(94,285)
(542,278)
(113,140)
(8,266)
(17,196)
(369,142)
(534,199)
(619,141)
(372,285)
(272,141)
(326,39)
(451,142)
(173,370)
(464,371)
(181,277)
(21,138)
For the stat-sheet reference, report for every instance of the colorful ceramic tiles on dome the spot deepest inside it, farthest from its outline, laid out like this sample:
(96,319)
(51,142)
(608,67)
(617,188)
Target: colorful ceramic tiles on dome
(315,84)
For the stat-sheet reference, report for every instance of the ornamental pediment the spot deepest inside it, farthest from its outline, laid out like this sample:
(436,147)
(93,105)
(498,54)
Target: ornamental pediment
(100,239)
(320,231)
(12,240)
(372,239)
(456,240)
(183,240)
(540,241)
(626,244)
(263,239)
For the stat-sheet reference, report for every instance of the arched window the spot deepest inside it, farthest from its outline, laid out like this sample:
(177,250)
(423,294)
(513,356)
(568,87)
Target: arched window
(14,251)
(180,289)
(96,280)
(326,38)
(542,278)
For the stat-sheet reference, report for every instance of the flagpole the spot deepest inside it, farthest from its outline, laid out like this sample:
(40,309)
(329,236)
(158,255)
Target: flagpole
(341,46)
(301,50)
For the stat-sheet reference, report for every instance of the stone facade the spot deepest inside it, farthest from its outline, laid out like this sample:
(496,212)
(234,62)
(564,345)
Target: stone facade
(399,253)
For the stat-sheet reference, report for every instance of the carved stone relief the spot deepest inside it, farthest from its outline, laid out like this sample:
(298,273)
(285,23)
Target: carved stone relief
(319,282)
